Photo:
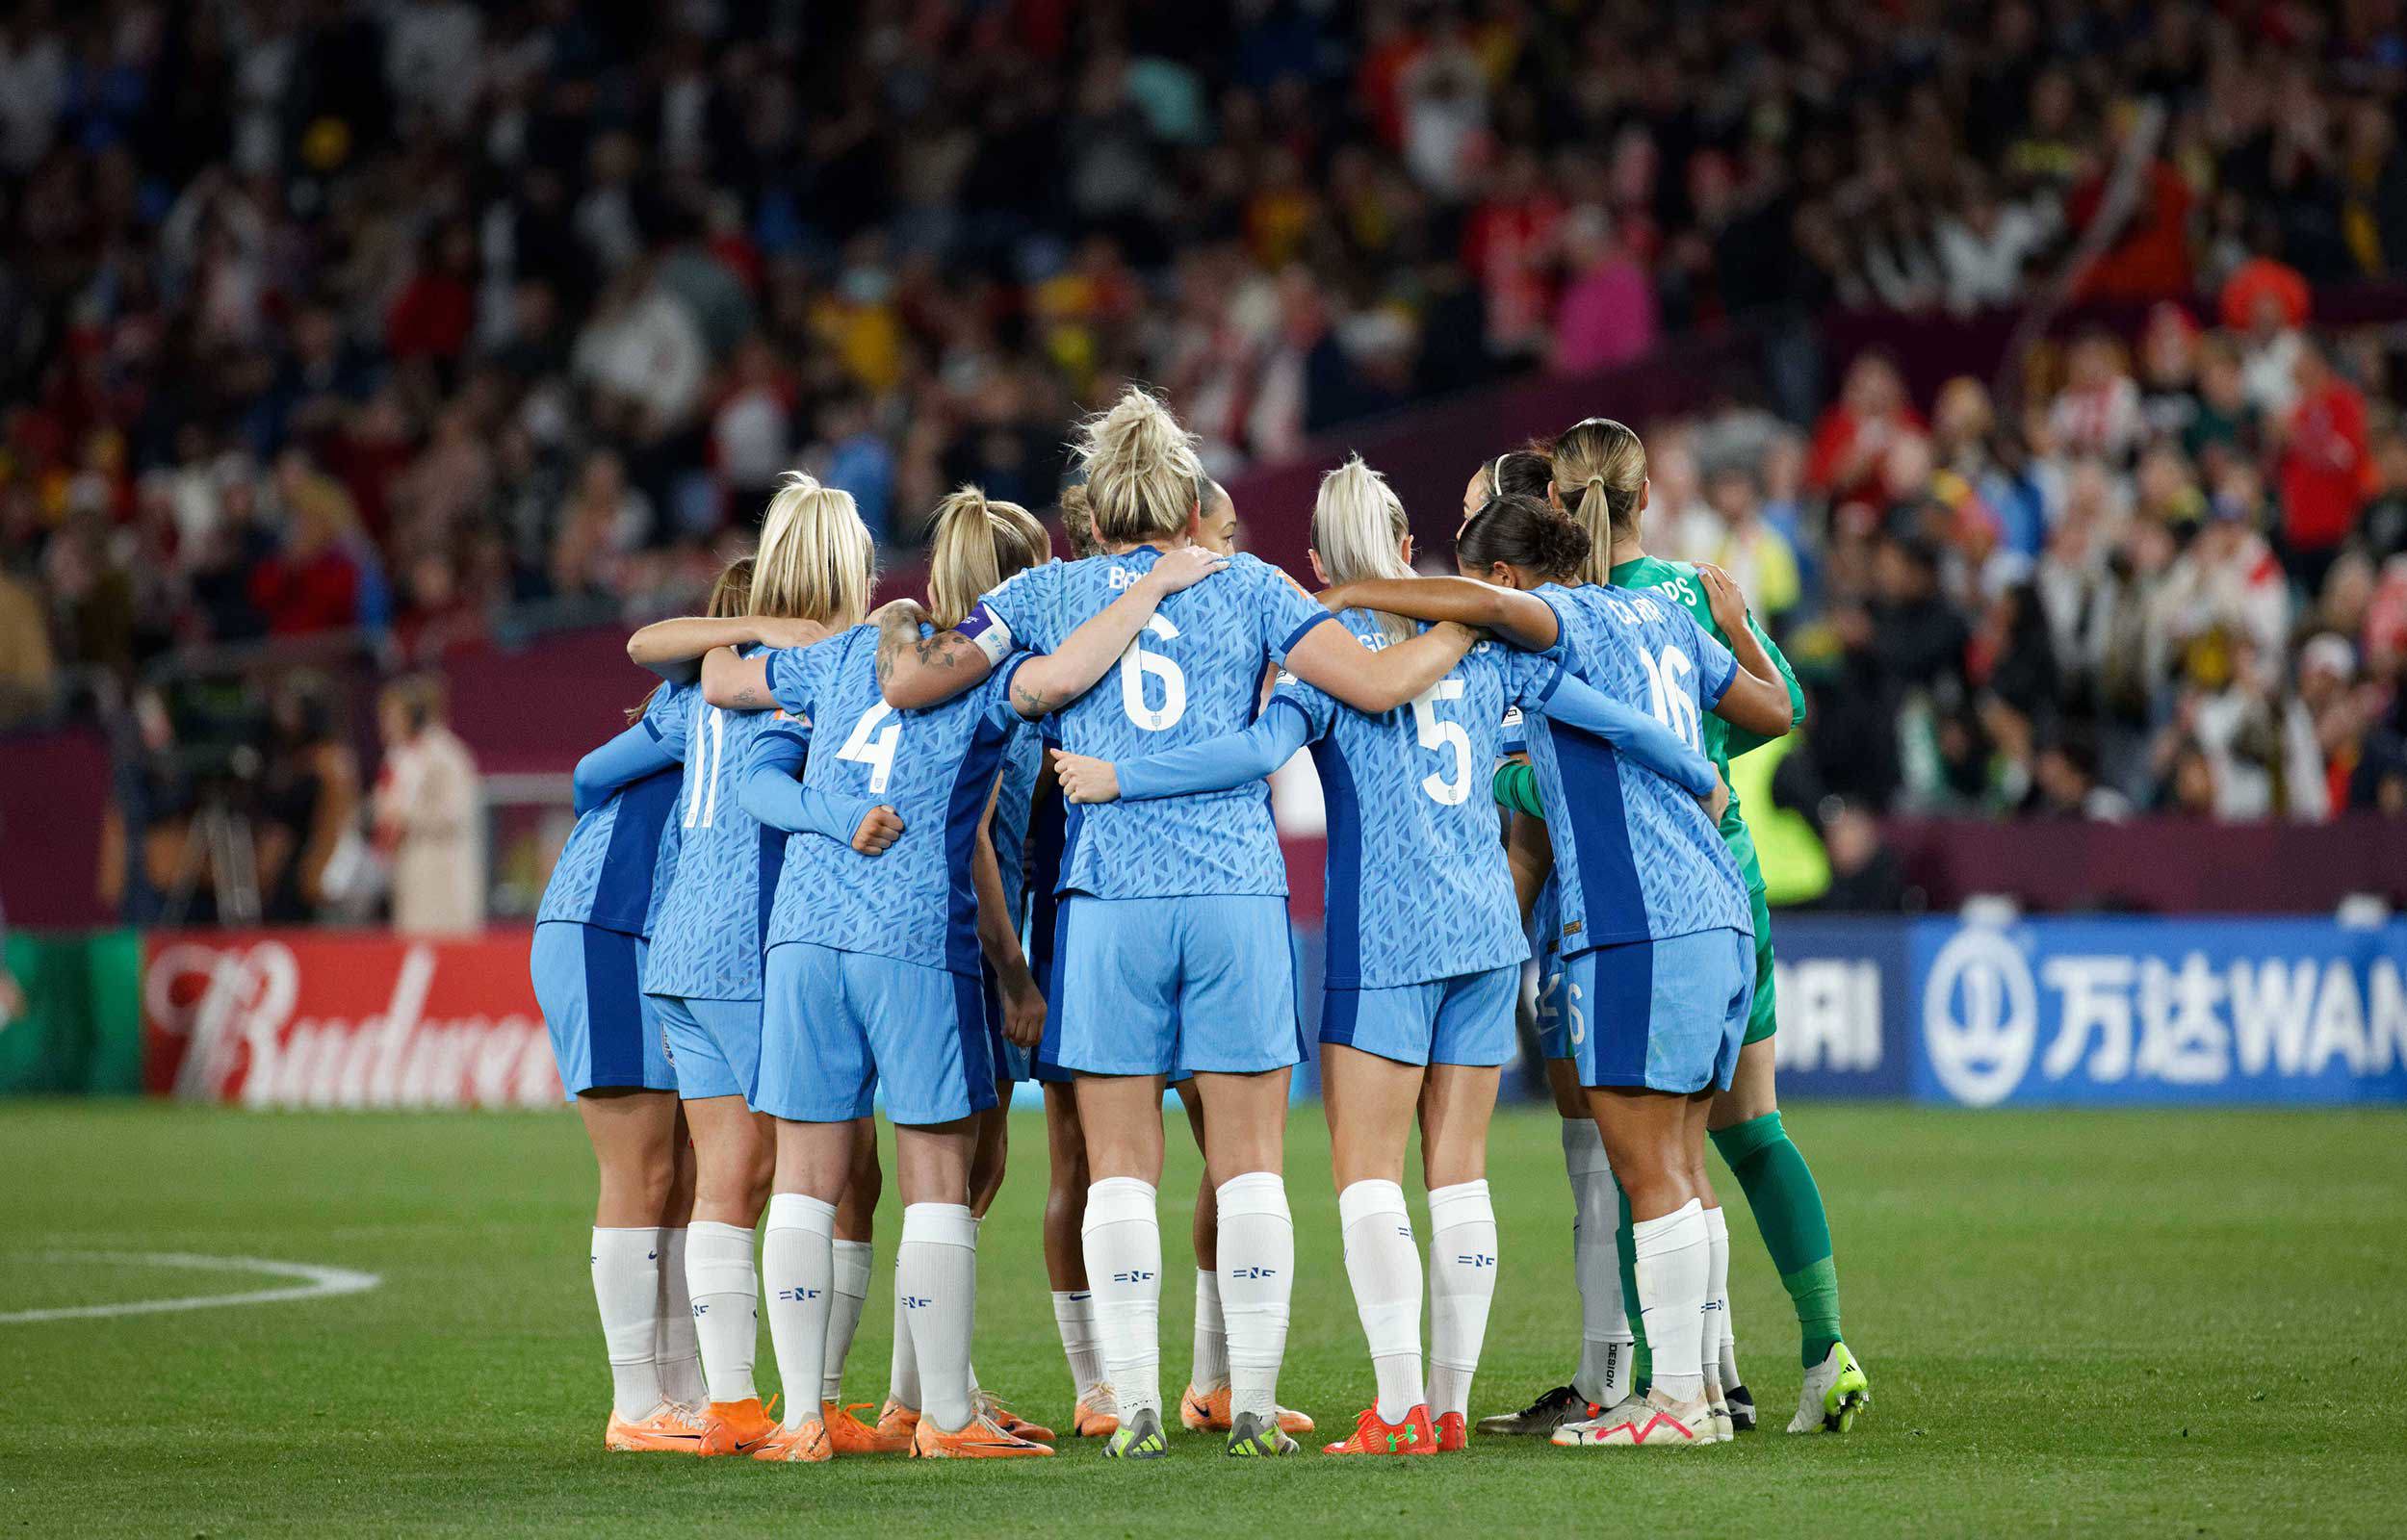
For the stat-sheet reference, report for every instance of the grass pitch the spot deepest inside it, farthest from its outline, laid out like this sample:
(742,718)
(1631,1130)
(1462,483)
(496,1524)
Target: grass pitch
(2166,1323)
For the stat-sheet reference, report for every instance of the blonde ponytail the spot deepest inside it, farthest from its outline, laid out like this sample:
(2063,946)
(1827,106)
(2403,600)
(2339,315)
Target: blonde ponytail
(1359,531)
(816,560)
(1144,478)
(1599,471)
(979,543)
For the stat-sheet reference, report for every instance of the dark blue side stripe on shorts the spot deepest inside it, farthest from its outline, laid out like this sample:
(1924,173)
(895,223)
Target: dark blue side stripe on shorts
(614,1008)
(1341,1011)
(1620,1016)
(977,1064)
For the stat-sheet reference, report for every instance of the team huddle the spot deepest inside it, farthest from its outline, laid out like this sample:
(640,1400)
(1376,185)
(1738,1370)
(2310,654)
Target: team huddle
(1020,831)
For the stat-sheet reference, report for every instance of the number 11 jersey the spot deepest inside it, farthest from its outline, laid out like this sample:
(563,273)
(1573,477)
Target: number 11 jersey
(1194,673)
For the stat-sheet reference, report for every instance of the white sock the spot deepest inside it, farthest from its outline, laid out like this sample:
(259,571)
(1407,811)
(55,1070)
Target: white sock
(902,1371)
(1074,1313)
(1384,1267)
(1673,1255)
(726,1306)
(851,1283)
(674,1347)
(1711,1353)
(798,1267)
(1462,1284)
(1121,1234)
(936,1274)
(1256,1281)
(626,1291)
(1211,1335)
(977,1228)
(1605,1340)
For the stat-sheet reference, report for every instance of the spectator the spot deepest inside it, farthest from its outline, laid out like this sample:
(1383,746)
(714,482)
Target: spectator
(428,811)
(2322,467)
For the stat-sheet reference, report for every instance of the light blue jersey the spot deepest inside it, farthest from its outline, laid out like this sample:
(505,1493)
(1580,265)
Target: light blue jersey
(1636,859)
(706,937)
(915,902)
(1194,673)
(620,857)
(1023,758)
(1418,884)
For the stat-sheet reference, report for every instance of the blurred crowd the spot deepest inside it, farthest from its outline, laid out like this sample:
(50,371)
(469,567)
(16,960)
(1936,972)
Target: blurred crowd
(374,319)
(2176,581)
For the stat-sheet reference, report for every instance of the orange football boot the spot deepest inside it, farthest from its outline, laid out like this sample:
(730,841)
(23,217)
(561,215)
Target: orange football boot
(669,1429)
(896,1423)
(991,1406)
(1452,1434)
(1372,1435)
(980,1439)
(808,1444)
(1098,1414)
(1198,1411)
(735,1427)
(853,1434)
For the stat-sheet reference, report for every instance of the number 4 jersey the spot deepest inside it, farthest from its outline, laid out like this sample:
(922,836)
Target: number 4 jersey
(1636,859)
(917,901)
(1194,673)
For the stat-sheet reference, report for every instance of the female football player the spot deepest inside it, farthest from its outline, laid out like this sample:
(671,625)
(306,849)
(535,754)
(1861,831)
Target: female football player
(1423,957)
(704,969)
(1657,942)
(1600,474)
(1172,930)
(873,976)
(588,963)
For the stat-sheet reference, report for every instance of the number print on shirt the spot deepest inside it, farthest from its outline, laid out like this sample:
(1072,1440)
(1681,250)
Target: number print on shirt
(1135,663)
(877,751)
(1668,697)
(1441,736)
(705,753)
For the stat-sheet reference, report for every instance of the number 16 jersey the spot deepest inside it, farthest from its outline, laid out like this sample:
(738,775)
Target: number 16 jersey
(1194,673)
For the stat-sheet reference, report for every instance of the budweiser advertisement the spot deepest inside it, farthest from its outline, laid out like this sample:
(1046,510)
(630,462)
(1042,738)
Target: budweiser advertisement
(311,1018)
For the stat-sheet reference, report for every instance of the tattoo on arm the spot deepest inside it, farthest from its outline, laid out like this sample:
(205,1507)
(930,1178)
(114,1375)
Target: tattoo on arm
(941,651)
(1032,702)
(748,698)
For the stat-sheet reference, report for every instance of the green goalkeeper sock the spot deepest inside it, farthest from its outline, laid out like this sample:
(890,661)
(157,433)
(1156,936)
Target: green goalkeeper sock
(1787,1209)
(1642,1361)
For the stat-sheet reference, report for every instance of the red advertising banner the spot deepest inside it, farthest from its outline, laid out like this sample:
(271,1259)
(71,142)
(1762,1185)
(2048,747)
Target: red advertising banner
(313,1019)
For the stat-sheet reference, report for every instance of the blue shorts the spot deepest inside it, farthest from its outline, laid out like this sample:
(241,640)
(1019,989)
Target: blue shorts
(1172,986)
(1466,1020)
(1667,1015)
(605,1034)
(841,1024)
(1554,1023)
(714,1046)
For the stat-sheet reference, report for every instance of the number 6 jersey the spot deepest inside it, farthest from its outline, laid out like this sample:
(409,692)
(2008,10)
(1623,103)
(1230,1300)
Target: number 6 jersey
(915,902)
(1194,673)
(1636,859)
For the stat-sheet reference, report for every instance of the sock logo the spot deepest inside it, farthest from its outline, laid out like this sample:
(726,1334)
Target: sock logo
(701,1309)
(1475,1259)
(1137,1276)
(913,1301)
(1253,1273)
(651,1256)
(1080,1297)
(799,1296)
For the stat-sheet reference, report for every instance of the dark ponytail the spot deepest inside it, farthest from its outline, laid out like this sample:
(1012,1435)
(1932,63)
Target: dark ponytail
(1521,530)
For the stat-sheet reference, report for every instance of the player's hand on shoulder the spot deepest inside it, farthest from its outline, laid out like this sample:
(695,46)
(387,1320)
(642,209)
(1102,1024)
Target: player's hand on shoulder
(1087,779)
(1723,597)
(904,612)
(880,828)
(1184,567)
(775,631)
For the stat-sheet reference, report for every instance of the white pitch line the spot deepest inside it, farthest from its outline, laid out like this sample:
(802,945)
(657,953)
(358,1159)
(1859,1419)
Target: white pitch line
(314,1282)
